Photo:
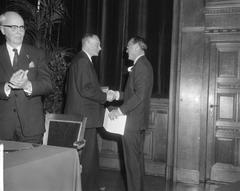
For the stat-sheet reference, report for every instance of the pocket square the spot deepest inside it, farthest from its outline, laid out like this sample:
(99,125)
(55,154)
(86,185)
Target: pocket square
(31,65)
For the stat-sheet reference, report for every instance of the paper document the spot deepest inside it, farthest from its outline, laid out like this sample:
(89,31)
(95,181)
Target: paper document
(116,125)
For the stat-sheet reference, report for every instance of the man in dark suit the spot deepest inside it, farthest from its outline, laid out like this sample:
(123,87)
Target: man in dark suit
(136,106)
(84,96)
(24,78)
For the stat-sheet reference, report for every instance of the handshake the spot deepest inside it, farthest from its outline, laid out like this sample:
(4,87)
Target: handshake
(112,95)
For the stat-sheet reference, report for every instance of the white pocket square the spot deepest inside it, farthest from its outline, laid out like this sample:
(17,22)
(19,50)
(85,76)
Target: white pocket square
(31,65)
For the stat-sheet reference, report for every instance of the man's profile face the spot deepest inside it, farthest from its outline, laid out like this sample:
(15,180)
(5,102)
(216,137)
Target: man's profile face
(131,50)
(14,37)
(94,45)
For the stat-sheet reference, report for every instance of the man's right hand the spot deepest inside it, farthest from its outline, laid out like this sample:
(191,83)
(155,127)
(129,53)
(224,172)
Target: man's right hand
(7,89)
(19,79)
(111,95)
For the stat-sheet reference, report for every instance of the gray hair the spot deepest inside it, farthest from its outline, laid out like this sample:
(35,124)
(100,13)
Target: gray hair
(2,18)
(140,41)
(87,36)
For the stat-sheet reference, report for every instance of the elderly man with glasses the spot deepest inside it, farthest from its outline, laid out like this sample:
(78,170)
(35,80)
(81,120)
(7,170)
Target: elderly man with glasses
(24,79)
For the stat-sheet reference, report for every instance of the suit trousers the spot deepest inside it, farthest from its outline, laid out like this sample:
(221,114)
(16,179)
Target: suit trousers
(17,134)
(133,143)
(90,161)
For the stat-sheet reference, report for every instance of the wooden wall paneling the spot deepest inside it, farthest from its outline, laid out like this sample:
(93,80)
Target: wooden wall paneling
(206,29)
(155,146)
(188,143)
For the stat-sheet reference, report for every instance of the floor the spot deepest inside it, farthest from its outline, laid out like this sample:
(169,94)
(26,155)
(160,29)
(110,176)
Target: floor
(112,180)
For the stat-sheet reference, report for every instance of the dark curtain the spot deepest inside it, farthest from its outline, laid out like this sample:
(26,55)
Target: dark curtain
(115,21)
(2,10)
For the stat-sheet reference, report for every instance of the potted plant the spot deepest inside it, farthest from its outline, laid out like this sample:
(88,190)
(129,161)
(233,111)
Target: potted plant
(43,21)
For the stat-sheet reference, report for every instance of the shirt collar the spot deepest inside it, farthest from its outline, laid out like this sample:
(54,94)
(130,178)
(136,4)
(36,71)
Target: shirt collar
(88,55)
(137,58)
(10,48)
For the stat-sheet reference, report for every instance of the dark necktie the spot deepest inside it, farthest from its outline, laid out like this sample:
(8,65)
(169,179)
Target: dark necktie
(15,60)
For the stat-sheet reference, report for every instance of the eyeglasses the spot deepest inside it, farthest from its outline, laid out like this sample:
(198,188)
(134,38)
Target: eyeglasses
(14,28)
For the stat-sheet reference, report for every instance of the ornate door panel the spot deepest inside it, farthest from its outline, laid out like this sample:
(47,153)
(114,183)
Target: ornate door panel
(223,132)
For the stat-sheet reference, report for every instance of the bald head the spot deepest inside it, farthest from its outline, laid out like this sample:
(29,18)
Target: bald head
(9,17)
(12,26)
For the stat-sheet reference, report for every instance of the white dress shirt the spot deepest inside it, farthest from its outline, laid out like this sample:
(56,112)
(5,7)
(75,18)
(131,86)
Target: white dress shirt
(7,89)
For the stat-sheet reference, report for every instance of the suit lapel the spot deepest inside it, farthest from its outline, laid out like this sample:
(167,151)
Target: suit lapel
(132,74)
(91,66)
(93,69)
(5,62)
(138,62)
(23,59)
(83,54)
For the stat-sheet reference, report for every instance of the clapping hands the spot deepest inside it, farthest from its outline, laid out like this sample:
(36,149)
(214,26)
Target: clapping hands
(19,79)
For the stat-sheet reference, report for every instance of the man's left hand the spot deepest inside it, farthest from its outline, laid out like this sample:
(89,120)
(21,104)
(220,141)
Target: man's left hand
(114,114)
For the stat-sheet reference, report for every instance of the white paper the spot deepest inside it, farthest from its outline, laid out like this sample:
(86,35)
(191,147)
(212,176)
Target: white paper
(116,125)
(1,167)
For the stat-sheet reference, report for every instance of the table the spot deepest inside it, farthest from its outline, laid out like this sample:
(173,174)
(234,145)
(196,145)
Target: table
(41,168)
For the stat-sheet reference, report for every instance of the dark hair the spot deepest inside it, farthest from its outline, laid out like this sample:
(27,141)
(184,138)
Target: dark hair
(140,41)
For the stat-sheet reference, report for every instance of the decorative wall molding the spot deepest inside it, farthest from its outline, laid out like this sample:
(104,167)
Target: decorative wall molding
(221,10)
(228,86)
(159,104)
(228,133)
(222,17)
(210,30)
(192,29)
(225,172)
(222,30)
(187,176)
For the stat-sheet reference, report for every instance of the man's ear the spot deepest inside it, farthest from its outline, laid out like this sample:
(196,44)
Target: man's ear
(136,47)
(2,18)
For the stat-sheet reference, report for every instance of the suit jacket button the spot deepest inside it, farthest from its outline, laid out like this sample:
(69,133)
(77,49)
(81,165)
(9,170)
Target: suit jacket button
(14,110)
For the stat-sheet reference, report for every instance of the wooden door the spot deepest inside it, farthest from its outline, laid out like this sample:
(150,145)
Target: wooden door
(223,126)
